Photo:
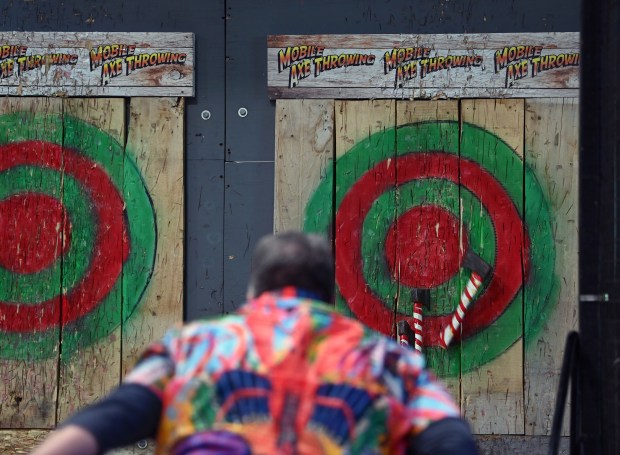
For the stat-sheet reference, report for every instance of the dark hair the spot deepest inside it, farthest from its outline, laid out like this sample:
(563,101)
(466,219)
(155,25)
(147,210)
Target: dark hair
(294,259)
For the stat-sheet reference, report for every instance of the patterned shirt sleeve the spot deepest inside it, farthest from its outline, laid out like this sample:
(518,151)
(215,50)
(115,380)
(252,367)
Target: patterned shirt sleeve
(156,365)
(427,400)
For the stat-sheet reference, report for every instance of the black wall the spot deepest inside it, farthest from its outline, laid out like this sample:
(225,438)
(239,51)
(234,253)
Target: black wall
(599,237)
(229,159)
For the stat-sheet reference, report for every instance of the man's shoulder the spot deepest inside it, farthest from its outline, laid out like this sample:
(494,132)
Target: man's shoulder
(211,326)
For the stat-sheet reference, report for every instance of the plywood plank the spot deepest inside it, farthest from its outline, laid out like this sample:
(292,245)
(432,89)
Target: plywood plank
(24,441)
(365,138)
(552,152)
(304,157)
(492,394)
(90,64)
(155,144)
(420,195)
(32,238)
(91,356)
(409,93)
(442,41)
(423,66)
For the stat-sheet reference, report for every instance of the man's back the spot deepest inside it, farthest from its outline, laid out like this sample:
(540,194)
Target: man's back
(288,375)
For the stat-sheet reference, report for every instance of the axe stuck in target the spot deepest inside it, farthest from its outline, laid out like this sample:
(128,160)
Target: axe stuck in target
(480,271)
(421,299)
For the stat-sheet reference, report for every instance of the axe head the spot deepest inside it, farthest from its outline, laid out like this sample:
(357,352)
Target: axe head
(476,264)
(422,296)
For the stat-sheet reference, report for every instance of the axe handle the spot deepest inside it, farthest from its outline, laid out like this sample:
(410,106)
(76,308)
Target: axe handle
(418,318)
(467,296)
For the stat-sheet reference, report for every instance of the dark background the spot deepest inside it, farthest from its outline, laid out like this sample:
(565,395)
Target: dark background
(229,160)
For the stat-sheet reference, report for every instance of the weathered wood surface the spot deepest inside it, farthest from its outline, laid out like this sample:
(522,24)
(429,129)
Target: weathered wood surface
(97,64)
(43,381)
(92,369)
(29,360)
(492,395)
(304,154)
(429,66)
(513,390)
(442,193)
(155,137)
(355,123)
(468,41)
(13,442)
(552,152)
(23,441)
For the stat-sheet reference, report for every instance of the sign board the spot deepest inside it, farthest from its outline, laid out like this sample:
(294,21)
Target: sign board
(500,65)
(96,64)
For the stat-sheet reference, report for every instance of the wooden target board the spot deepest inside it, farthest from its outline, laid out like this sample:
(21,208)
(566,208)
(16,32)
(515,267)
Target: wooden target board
(88,219)
(425,195)
(91,215)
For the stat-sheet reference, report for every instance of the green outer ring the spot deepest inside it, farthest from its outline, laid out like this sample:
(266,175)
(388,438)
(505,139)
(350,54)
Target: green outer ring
(476,144)
(35,287)
(103,149)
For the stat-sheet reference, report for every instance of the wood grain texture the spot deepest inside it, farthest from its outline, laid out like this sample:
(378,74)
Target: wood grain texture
(552,152)
(492,395)
(94,368)
(96,64)
(428,66)
(304,154)
(16,442)
(28,384)
(356,124)
(442,194)
(409,93)
(23,441)
(155,139)
(454,41)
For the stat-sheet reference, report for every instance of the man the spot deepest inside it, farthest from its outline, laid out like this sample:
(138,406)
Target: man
(284,375)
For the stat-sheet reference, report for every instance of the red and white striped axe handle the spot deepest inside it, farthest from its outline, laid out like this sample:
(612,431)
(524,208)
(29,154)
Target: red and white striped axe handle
(418,319)
(480,271)
(421,298)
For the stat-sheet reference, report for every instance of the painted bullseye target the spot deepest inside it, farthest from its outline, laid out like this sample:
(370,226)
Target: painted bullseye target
(75,215)
(400,207)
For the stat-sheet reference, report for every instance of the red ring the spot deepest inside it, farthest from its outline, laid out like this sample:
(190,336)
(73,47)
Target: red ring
(111,246)
(512,243)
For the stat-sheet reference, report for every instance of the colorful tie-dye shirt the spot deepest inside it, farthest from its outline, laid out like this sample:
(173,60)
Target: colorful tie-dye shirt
(287,374)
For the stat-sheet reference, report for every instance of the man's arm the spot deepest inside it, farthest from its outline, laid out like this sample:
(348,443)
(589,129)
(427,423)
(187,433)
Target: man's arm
(449,436)
(70,440)
(437,426)
(128,414)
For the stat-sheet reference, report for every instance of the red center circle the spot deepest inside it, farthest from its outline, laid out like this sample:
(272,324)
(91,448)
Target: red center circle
(33,233)
(422,247)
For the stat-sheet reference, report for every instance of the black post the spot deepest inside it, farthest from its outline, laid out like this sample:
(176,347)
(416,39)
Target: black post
(599,226)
